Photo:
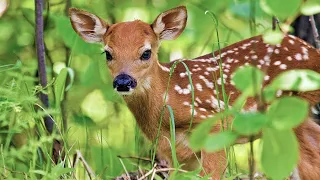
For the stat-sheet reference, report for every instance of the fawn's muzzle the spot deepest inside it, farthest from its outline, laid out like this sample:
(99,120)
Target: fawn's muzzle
(124,83)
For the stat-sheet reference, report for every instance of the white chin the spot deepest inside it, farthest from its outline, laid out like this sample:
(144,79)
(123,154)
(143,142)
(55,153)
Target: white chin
(125,93)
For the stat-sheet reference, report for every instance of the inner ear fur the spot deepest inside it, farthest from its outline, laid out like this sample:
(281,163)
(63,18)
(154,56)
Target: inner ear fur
(171,23)
(90,27)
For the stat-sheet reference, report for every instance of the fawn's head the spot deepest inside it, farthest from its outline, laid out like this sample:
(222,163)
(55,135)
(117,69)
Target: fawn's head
(130,47)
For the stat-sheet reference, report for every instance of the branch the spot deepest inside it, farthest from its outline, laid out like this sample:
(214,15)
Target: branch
(78,156)
(315,32)
(41,60)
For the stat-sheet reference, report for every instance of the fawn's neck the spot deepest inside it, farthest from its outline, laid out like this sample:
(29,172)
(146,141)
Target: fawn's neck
(146,105)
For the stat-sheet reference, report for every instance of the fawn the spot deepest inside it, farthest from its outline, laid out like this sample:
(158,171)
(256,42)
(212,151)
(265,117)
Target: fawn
(131,54)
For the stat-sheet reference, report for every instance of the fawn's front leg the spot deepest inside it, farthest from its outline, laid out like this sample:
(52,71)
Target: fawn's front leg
(214,164)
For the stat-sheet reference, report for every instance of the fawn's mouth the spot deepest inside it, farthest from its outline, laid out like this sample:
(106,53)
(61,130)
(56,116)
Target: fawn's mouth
(124,93)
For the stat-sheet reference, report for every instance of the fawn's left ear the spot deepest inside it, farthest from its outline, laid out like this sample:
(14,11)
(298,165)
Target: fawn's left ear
(170,24)
(89,26)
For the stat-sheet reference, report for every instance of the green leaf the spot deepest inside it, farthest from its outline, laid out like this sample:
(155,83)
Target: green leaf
(71,78)
(173,138)
(297,80)
(83,120)
(248,79)
(273,37)
(287,112)
(281,9)
(219,141)
(279,154)
(269,94)
(249,123)
(59,170)
(200,133)
(59,86)
(310,7)
(242,9)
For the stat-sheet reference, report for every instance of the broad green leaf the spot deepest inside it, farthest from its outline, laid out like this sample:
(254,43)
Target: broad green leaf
(249,123)
(59,86)
(219,141)
(273,37)
(83,120)
(282,9)
(242,9)
(200,133)
(248,79)
(279,154)
(269,94)
(297,80)
(287,112)
(310,7)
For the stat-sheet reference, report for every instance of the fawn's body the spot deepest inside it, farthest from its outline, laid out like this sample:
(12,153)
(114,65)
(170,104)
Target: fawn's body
(131,50)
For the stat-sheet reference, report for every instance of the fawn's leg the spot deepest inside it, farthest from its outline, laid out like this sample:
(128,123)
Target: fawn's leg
(308,135)
(214,164)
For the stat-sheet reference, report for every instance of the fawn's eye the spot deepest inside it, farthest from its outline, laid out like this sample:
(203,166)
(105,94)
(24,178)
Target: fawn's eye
(146,55)
(108,56)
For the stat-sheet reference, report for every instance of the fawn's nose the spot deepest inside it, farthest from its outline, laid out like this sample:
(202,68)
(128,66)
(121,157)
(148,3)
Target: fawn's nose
(124,83)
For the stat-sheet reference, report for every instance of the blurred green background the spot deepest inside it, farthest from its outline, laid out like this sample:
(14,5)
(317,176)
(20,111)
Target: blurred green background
(98,122)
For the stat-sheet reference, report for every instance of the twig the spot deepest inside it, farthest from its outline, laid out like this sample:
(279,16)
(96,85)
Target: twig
(148,173)
(133,157)
(315,32)
(78,156)
(125,169)
(153,173)
(41,60)
(174,169)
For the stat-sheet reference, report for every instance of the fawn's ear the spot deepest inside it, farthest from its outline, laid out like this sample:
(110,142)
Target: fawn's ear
(89,26)
(170,24)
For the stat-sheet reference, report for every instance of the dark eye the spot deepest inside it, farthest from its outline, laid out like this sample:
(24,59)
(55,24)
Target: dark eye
(146,55)
(108,56)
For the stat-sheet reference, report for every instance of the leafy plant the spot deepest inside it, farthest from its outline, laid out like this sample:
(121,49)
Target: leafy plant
(279,145)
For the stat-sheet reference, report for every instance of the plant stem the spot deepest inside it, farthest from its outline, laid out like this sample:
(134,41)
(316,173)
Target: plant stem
(251,159)
(275,22)
(41,60)
(315,32)
(63,103)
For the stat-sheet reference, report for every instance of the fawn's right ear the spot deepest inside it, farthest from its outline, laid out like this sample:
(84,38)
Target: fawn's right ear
(170,24)
(89,26)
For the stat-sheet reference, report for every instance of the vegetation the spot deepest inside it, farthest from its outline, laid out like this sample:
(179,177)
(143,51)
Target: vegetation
(93,124)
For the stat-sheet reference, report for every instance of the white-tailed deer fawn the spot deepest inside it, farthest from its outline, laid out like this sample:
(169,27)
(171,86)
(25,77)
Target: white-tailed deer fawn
(131,55)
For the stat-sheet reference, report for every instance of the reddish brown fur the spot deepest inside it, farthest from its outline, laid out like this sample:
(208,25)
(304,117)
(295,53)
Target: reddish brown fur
(126,39)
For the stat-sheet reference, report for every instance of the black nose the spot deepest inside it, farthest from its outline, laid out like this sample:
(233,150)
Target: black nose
(124,83)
